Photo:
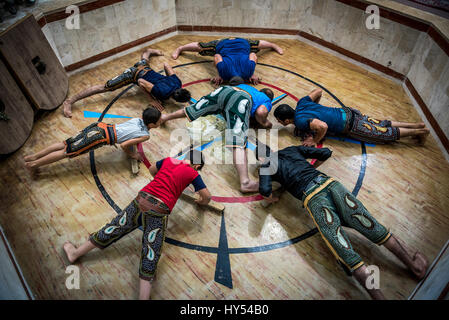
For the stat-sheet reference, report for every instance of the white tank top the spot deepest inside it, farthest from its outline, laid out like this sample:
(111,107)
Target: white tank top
(131,129)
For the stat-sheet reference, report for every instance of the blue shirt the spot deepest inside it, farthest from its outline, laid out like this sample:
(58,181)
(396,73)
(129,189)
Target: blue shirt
(307,110)
(235,54)
(259,98)
(163,86)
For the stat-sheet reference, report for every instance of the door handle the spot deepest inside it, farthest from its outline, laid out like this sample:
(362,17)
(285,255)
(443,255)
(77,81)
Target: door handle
(39,65)
(3,115)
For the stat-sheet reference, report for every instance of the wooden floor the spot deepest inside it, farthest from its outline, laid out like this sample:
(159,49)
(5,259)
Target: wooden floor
(406,187)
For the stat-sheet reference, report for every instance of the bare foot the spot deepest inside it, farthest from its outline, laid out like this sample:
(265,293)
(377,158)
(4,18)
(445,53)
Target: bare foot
(155,52)
(420,265)
(67,109)
(31,169)
(278,49)
(176,54)
(422,137)
(70,250)
(29,158)
(250,186)
(163,119)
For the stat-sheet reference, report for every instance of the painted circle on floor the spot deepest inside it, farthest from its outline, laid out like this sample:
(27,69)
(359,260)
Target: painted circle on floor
(223,268)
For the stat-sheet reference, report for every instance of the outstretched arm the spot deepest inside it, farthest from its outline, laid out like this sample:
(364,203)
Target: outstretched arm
(127,147)
(320,129)
(261,116)
(147,86)
(168,69)
(321,154)
(205,197)
(218,79)
(315,95)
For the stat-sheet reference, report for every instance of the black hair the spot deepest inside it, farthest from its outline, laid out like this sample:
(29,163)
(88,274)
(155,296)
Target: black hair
(284,112)
(235,81)
(195,157)
(150,115)
(268,92)
(181,95)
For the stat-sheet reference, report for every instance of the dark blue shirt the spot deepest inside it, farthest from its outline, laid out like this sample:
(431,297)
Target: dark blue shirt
(307,110)
(163,86)
(235,54)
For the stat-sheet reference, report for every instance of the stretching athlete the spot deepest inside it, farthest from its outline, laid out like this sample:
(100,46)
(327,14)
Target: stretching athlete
(331,206)
(149,210)
(261,104)
(97,134)
(235,105)
(314,121)
(233,57)
(157,86)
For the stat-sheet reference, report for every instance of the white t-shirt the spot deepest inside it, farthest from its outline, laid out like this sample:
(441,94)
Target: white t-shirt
(131,129)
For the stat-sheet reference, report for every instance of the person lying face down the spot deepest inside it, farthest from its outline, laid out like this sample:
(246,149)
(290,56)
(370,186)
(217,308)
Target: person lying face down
(96,135)
(233,57)
(314,121)
(261,105)
(149,210)
(331,206)
(235,105)
(158,87)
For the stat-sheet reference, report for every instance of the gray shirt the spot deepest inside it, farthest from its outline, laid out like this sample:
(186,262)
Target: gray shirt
(131,129)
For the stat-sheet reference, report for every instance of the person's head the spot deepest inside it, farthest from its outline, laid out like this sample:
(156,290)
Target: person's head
(151,117)
(181,95)
(284,114)
(195,159)
(268,92)
(236,80)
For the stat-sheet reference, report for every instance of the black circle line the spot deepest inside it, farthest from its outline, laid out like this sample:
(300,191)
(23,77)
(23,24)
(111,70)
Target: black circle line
(215,249)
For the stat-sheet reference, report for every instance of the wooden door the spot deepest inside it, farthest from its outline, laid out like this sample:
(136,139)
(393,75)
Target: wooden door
(16,114)
(33,64)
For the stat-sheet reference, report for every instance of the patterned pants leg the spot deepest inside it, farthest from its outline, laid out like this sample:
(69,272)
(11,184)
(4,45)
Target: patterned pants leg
(128,76)
(356,216)
(234,105)
(208,48)
(371,130)
(154,226)
(122,224)
(334,207)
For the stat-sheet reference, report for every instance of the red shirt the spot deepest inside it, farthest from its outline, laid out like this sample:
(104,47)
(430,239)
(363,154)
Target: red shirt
(171,180)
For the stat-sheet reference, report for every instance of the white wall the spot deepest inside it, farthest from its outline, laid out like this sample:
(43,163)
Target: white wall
(110,27)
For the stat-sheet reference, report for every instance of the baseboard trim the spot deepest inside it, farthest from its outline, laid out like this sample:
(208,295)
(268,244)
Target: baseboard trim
(119,49)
